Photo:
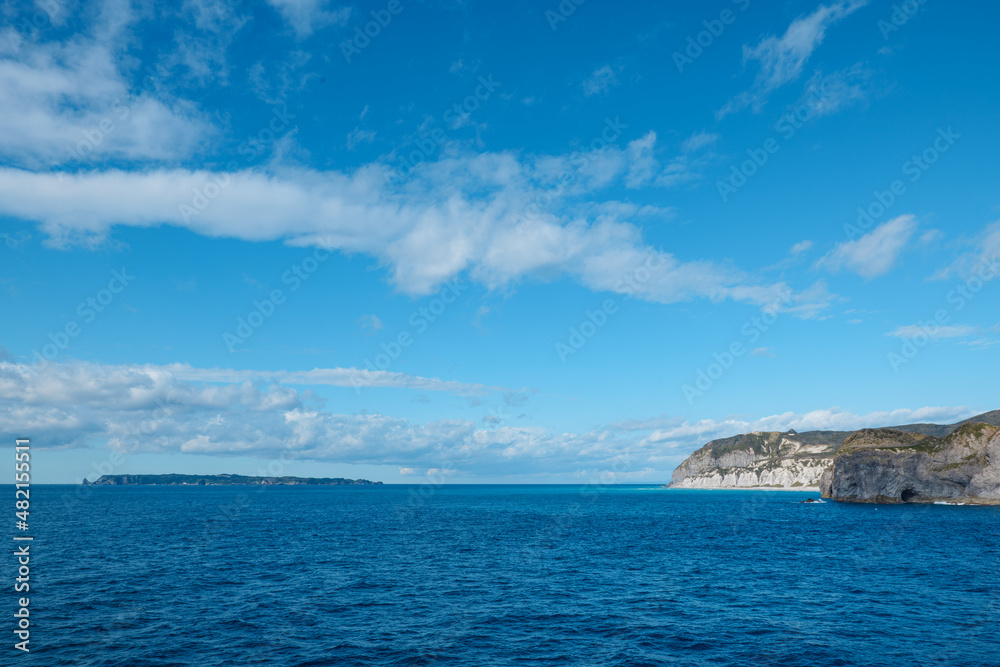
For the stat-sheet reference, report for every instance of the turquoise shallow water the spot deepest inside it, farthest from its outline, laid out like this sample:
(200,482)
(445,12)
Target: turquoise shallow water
(503,575)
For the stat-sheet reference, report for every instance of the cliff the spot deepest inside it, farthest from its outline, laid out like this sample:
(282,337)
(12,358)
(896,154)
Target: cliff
(891,466)
(772,459)
(786,459)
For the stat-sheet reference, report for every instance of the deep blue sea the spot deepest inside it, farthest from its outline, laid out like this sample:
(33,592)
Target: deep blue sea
(501,575)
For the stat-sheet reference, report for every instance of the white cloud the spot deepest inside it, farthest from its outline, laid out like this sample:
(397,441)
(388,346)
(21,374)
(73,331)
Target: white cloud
(643,168)
(358,136)
(334,377)
(69,103)
(274,81)
(824,95)
(642,164)
(307,16)
(935,331)
(830,419)
(982,262)
(782,59)
(699,140)
(812,302)
(461,67)
(201,49)
(477,215)
(600,81)
(875,253)
(801,247)
(371,322)
(162,409)
(982,343)
(159,409)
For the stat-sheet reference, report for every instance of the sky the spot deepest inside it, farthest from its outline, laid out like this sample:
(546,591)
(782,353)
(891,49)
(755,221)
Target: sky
(448,242)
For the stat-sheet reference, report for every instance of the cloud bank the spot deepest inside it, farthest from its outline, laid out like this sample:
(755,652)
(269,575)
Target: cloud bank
(133,408)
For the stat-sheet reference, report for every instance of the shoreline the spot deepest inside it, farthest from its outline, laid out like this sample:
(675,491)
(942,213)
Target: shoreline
(808,489)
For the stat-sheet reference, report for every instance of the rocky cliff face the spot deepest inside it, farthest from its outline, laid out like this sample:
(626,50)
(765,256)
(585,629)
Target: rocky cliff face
(768,459)
(806,460)
(891,466)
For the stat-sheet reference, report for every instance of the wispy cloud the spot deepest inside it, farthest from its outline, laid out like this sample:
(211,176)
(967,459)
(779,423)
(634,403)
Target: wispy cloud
(827,94)
(977,338)
(984,258)
(601,80)
(358,136)
(935,332)
(875,253)
(781,59)
(201,50)
(334,377)
(699,140)
(370,322)
(642,163)
(307,16)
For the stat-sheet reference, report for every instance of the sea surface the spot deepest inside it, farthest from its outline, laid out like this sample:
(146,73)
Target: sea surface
(501,575)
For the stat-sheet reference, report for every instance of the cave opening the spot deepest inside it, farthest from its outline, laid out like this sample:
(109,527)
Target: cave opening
(908,495)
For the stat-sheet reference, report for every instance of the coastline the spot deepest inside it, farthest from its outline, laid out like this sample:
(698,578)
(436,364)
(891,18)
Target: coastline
(809,489)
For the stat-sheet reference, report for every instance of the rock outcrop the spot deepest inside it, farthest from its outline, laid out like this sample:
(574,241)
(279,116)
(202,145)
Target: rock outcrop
(892,466)
(795,460)
(760,459)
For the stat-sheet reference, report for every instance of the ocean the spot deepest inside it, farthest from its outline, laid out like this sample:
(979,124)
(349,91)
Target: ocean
(501,575)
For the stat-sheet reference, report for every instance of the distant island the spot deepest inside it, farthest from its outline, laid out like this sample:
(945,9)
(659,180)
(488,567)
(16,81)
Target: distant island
(909,463)
(224,480)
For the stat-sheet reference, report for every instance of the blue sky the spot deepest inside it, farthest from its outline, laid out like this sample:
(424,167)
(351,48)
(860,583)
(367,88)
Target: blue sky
(523,243)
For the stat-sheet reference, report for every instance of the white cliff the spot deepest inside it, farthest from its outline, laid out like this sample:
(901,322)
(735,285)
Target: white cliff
(793,460)
(761,459)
